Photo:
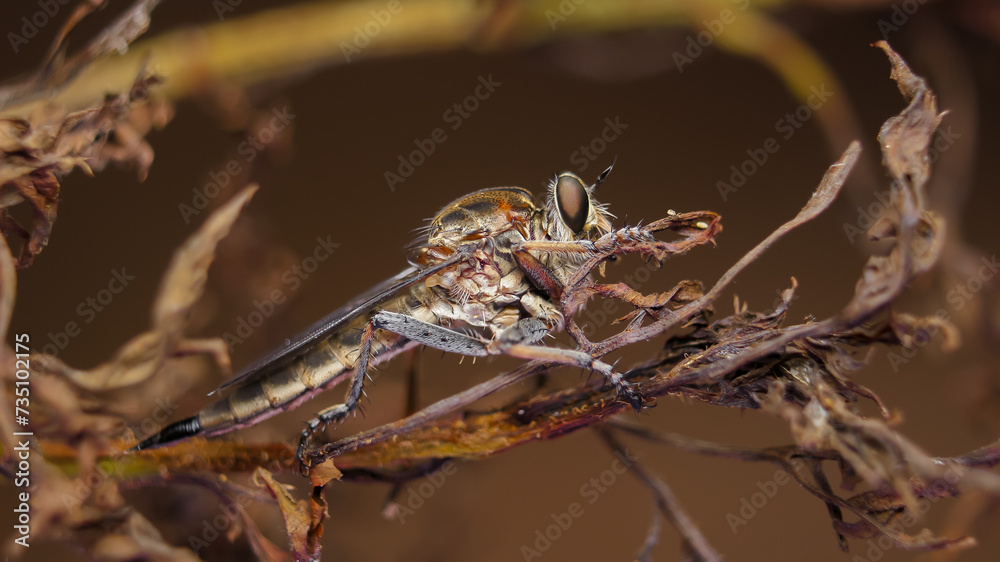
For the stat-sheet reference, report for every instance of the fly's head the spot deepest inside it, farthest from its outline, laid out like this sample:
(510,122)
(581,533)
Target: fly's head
(572,213)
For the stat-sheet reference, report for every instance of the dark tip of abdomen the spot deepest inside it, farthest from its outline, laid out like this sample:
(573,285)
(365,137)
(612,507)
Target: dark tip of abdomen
(173,432)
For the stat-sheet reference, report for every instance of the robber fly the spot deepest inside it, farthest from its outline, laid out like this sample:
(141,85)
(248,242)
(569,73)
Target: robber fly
(494,261)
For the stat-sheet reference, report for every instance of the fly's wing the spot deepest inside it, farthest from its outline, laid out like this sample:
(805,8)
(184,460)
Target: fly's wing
(303,342)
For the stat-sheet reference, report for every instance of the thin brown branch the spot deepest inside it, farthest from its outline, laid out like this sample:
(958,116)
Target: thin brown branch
(55,73)
(667,503)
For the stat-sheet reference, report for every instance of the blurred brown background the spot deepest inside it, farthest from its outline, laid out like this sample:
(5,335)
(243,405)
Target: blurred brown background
(684,131)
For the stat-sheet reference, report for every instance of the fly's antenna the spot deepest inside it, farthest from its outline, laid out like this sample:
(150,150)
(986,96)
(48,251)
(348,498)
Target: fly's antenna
(604,174)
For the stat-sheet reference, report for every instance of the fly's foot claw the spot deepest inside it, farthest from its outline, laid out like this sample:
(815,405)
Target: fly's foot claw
(300,452)
(623,387)
(323,420)
(626,393)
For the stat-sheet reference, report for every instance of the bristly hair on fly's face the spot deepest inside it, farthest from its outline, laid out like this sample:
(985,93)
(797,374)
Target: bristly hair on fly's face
(572,213)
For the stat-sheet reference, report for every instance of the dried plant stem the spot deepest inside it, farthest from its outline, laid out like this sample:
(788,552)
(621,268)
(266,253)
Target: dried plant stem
(667,503)
(244,50)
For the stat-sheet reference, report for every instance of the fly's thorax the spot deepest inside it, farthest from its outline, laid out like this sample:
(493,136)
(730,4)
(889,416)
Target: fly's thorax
(484,214)
(478,289)
(487,224)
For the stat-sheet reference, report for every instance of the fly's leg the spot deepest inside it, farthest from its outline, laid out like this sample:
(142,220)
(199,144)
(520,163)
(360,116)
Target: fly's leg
(541,308)
(573,358)
(519,341)
(419,331)
(338,412)
(537,272)
(584,247)
(540,274)
(543,277)
(523,333)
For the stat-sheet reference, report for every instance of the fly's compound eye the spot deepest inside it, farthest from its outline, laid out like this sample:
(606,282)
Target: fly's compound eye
(573,202)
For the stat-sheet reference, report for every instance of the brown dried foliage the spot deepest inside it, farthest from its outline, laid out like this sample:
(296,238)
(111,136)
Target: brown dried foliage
(755,360)
(37,150)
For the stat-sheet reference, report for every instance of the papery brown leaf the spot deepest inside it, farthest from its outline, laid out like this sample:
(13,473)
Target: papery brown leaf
(298,517)
(906,137)
(49,144)
(57,70)
(136,538)
(40,189)
(185,279)
(181,287)
(323,473)
(914,332)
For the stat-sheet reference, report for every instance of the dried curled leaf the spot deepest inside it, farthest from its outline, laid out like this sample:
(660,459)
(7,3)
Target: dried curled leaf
(303,518)
(64,412)
(905,140)
(40,149)
(58,69)
(182,286)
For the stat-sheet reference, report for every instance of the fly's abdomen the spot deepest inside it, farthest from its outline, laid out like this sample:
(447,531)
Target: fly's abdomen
(282,386)
(275,392)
